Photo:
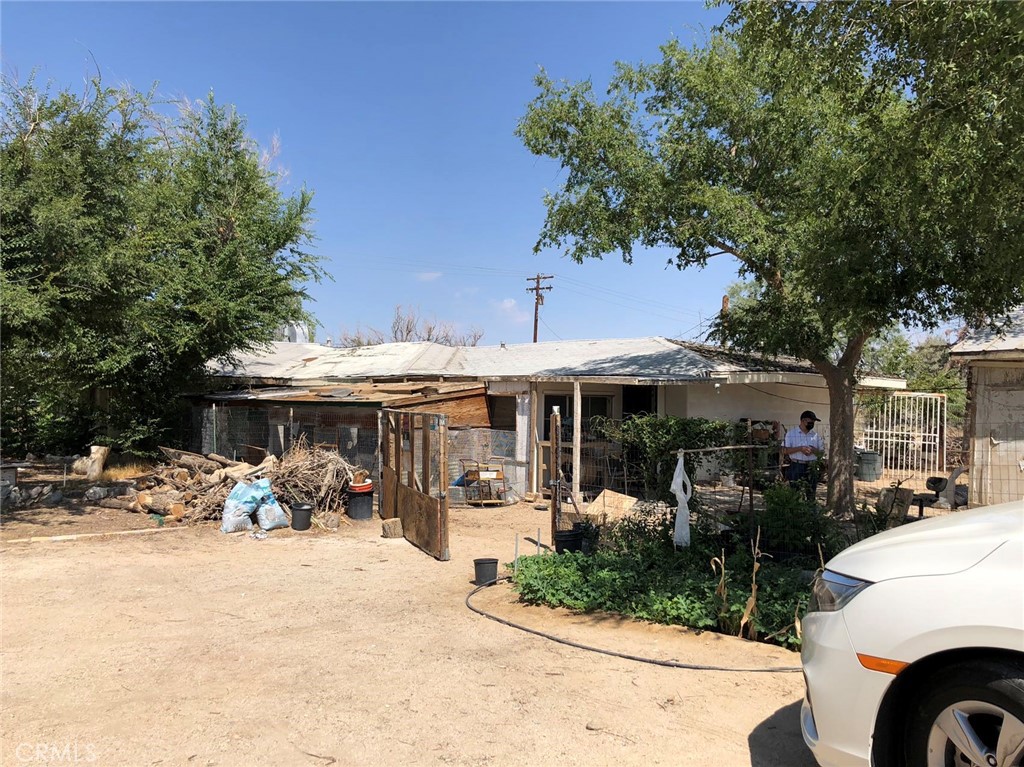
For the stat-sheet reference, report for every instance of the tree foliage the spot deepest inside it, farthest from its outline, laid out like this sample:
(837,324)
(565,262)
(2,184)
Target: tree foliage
(408,324)
(137,247)
(859,161)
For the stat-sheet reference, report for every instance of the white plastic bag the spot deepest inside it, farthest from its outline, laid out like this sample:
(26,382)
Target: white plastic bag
(682,488)
(269,514)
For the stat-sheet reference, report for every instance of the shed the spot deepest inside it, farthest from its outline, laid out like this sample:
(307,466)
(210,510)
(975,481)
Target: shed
(995,410)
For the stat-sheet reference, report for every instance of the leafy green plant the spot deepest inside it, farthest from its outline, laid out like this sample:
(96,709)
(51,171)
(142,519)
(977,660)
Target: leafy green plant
(649,445)
(638,572)
(797,528)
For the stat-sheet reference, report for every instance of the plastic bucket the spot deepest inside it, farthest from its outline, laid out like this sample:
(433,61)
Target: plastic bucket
(302,516)
(486,570)
(360,505)
(568,540)
(869,466)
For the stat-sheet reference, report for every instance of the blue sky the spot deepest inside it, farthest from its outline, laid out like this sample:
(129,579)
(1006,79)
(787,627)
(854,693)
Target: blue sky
(400,117)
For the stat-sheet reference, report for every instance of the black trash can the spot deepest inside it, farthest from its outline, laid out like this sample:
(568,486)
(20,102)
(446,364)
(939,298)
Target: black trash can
(302,516)
(360,505)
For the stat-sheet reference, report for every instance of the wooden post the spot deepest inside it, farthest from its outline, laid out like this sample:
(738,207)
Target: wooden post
(535,438)
(555,470)
(425,422)
(577,432)
(442,469)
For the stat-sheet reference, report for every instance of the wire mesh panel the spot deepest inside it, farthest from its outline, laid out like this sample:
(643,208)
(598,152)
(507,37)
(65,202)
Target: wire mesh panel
(250,433)
(484,448)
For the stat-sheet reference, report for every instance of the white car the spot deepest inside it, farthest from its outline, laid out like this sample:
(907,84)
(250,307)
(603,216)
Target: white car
(913,646)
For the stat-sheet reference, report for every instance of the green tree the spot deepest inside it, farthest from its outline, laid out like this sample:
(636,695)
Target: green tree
(839,152)
(136,248)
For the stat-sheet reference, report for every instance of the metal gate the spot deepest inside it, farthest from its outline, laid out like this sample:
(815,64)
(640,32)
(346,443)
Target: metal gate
(908,429)
(414,474)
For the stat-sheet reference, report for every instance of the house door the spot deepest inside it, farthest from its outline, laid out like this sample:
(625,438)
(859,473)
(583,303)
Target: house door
(414,477)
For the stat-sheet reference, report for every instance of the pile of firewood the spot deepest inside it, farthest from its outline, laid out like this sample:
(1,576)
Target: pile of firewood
(192,488)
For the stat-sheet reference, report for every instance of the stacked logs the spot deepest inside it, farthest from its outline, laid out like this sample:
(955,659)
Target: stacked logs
(192,488)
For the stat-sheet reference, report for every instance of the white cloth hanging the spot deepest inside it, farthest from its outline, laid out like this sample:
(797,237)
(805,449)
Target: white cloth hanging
(682,488)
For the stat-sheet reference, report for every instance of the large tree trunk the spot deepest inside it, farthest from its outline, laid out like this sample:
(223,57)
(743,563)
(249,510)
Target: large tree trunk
(840,448)
(842,381)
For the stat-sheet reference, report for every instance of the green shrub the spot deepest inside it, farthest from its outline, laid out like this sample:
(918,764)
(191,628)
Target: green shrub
(793,528)
(637,572)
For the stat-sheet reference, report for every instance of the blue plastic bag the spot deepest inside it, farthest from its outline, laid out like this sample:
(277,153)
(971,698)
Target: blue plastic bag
(239,506)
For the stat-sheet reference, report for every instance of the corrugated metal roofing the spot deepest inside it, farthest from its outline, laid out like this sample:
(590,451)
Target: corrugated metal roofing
(652,358)
(288,361)
(985,340)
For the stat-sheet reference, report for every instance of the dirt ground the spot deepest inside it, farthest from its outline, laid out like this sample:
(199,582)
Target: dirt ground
(189,647)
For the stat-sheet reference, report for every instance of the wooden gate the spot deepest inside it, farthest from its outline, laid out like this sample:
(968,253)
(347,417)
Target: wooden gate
(414,473)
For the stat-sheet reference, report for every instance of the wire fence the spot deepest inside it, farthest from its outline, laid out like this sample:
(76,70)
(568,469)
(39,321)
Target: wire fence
(249,433)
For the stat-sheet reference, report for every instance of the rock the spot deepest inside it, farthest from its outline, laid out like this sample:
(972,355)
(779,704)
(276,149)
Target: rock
(35,492)
(96,493)
(14,497)
(392,528)
(31,457)
(52,498)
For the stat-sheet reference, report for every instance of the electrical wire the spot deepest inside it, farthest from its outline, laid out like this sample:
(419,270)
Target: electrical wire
(613,653)
(542,322)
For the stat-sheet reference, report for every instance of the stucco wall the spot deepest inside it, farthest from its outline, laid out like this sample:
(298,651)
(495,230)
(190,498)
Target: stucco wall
(997,444)
(761,402)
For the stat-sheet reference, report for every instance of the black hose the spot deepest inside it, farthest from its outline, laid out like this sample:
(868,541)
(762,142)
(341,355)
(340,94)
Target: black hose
(638,658)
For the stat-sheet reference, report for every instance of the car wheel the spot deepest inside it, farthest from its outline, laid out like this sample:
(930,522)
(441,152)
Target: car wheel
(972,715)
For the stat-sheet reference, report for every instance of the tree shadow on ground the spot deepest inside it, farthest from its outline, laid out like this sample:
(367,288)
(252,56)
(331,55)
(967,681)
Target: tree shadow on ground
(777,741)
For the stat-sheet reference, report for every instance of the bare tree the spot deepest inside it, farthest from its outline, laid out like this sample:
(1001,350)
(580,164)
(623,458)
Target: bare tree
(409,325)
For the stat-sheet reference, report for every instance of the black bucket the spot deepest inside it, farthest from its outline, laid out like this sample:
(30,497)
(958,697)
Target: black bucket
(486,570)
(568,540)
(360,505)
(302,516)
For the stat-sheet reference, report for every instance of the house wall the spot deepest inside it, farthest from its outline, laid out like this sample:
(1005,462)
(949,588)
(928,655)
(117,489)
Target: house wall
(997,434)
(760,402)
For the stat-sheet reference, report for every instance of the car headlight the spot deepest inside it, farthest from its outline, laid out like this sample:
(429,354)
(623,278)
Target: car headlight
(831,591)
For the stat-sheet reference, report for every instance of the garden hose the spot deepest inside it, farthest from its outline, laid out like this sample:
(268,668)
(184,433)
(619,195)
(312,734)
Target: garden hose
(613,653)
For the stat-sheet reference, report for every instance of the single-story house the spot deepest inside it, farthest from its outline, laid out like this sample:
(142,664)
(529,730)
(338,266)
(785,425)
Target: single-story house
(523,383)
(995,411)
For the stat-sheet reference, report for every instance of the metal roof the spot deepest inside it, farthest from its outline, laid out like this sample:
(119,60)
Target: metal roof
(985,341)
(649,359)
(314,362)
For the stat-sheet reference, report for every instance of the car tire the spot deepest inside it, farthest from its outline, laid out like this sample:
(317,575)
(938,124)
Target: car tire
(974,698)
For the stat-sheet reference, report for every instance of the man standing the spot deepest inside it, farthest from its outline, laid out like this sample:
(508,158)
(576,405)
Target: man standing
(805,447)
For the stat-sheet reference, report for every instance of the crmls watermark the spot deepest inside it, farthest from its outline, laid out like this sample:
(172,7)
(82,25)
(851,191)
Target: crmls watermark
(70,752)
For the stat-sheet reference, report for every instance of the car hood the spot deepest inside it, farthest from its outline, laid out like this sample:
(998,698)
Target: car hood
(936,546)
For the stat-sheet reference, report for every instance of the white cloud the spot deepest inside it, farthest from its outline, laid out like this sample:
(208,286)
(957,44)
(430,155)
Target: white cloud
(510,309)
(428,276)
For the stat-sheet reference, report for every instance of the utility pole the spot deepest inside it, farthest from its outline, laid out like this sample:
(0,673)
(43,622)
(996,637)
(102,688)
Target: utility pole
(538,297)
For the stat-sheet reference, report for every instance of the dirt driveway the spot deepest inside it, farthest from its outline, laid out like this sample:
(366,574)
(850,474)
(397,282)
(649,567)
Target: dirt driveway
(188,647)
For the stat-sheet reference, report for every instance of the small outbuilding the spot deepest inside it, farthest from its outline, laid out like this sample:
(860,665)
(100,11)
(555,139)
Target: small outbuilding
(994,432)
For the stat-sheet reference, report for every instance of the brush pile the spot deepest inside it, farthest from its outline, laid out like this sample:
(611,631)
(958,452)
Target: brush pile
(192,488)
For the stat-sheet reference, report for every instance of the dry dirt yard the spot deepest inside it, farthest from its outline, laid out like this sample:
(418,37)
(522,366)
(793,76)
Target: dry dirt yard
(189,647)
